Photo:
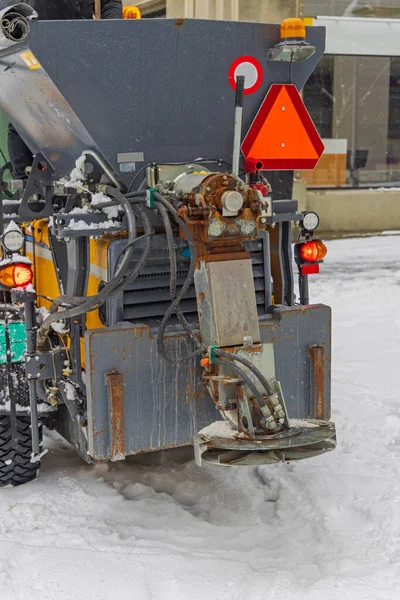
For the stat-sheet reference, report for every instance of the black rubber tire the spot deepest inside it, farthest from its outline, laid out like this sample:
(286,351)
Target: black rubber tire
(16,467)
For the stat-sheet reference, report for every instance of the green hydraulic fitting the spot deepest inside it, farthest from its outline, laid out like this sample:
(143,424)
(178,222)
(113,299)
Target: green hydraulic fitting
(211,353)
(150,197)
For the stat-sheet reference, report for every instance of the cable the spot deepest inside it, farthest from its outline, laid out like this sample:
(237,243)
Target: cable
(93,301)
(250,366)
(173,269)
(132,243)
(175,304)
(246,379)
(148,234)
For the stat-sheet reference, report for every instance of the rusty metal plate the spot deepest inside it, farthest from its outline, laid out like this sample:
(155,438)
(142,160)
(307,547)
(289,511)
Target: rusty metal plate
(164,405)
(227,302)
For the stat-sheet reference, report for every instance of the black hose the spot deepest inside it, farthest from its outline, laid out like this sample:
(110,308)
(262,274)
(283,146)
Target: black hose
(173,268)
(94,301)
(132,243)
(250,366)
(246,379)
(175,303)
(148,234)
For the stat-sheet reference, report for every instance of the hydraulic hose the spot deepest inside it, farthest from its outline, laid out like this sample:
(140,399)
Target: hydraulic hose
(148,234)
(242,375)
(90,303)
(173,268)
(250,366)
(176,302)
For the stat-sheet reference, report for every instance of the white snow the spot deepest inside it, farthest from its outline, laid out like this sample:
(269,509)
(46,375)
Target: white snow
(159,528)
(77,175)
(219,429)
(12,226)
(82,225)
(16,258)
(59,327)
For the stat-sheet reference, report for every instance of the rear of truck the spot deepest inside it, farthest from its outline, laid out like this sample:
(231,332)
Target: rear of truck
(147,273)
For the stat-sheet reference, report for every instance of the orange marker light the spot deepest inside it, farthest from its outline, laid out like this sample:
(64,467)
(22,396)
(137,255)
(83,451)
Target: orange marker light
(16,275)
(313,251)
(293,28)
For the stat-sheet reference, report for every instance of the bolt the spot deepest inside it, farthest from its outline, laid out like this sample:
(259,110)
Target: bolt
(283,107)
(28,359)
(283,144)
(29,376)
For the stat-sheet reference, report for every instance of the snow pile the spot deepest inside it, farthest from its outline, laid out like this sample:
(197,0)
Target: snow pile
(75,180)
(12,226)
(219,429)
(15,258)
(77,175)
(159,528)
(81,225)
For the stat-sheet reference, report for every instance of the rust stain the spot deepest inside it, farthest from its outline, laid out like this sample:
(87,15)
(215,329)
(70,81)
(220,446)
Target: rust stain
(115,390)
(318,364)
(96,433)
(179,22)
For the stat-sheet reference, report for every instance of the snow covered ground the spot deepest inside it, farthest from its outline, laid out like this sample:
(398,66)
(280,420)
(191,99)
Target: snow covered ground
(162,529)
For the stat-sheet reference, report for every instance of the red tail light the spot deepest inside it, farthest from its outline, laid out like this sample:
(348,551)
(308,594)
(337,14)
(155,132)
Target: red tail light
(313,251)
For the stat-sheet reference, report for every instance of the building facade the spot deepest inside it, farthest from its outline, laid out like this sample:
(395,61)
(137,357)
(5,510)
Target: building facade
(353,98)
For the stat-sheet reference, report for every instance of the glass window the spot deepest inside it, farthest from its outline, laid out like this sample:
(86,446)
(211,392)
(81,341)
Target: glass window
(355,104)
(353,8)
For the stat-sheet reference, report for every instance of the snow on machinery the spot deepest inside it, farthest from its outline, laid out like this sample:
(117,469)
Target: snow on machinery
(160,294)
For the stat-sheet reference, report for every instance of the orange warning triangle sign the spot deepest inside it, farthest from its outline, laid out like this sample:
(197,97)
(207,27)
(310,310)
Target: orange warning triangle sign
(283,136)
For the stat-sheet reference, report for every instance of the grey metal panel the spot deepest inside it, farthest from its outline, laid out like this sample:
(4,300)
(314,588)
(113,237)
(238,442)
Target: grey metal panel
(155,280)
(226,301)
(165,404)
(41,115)
(157,86)
(293,331)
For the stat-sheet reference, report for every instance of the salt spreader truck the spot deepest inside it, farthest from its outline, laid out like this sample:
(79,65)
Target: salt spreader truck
(147,278)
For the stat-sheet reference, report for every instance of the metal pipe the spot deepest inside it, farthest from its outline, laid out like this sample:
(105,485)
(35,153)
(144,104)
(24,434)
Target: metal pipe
(237,133)
(30,319)
(304,291)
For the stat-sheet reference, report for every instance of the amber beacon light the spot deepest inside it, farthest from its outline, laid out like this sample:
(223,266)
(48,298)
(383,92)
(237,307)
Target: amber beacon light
(293,28)
(292,46)
(131,12)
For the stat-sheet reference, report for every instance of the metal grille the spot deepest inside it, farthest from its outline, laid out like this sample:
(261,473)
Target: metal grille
(148,297)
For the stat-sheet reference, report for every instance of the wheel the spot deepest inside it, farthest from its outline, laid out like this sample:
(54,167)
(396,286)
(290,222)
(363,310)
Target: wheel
(16,467)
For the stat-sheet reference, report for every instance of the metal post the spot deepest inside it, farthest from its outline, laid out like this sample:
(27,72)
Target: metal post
(237,134)
(303,287)
(30,319)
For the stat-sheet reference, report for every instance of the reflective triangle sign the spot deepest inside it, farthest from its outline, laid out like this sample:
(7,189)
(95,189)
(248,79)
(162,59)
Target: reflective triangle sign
(283,136)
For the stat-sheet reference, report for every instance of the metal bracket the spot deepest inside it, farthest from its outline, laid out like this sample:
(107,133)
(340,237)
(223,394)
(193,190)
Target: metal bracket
(37,200)
(150,197)
(211,353)
(45,365)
